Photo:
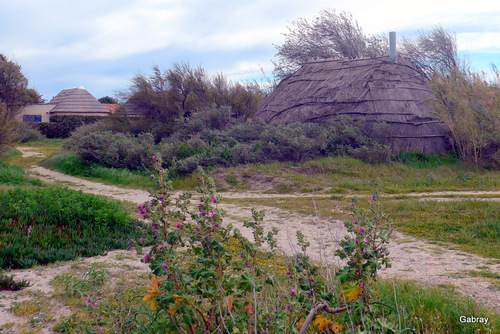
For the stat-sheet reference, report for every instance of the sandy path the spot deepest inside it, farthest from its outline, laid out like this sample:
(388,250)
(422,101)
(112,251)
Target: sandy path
(411,258)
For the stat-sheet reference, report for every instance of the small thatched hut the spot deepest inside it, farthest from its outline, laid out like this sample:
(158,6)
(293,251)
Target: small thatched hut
(77,102)
(375,89)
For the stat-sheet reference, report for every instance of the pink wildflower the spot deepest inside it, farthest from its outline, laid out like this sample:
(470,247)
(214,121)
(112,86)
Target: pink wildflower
(292,292)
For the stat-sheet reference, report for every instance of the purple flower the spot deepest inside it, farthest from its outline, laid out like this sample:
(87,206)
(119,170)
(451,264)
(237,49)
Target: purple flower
(141,240)
(165,265)
(146,257)
(202,213)
(362,230)
(352,204)
(288,307)
(94,304)
(292,292)
(214,200)
(88,300)
(152,176)
(362,285)
(355,221)
(373,198)
(155,228)
(178,225)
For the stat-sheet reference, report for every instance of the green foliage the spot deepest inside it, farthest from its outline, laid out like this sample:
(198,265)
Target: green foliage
(8,283)
(44,225)
(431,309)
(180,91)
(12,175)
(207,276)
(14,94)
(62,126)
(108,100)
(200,142)
(116,150)
(468,104)
(25,132)
(84,286)
(70,164)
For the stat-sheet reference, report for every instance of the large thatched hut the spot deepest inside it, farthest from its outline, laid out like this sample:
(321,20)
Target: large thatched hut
(371,90)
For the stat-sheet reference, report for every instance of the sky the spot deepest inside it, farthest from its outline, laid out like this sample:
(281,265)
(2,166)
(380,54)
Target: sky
(102,44)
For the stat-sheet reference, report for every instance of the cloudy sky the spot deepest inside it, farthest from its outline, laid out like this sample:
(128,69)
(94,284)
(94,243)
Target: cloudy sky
(101,44)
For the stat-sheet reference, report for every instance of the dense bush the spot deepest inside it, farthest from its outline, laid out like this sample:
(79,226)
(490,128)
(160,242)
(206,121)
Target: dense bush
(469,104)
(25,132)
(113,149)
(62,126)
(257,142)
(213,138)
(44,225)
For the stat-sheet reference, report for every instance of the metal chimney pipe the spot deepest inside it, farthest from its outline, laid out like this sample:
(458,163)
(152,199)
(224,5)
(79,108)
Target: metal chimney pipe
(392,45)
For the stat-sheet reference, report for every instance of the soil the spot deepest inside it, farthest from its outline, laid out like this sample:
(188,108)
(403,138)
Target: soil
(425,262)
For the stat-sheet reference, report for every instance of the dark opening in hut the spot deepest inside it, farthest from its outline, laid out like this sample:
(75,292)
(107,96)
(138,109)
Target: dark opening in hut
(369,90)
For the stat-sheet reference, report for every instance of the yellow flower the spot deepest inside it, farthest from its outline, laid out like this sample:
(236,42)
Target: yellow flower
(153,290)
(301,323)
(322,322)
(177,298)
(351,291)
(337,328)
(172,308)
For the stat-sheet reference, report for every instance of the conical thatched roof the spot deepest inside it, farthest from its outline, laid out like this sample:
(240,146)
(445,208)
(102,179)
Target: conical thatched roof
(77,102)
(374,89)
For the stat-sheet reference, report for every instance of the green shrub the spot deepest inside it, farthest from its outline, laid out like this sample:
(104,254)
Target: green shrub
(62,126)
(116,150)
(25,132)
(12,175)
(44,225)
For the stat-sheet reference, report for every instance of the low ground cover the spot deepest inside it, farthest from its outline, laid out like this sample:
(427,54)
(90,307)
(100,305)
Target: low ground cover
(40,225)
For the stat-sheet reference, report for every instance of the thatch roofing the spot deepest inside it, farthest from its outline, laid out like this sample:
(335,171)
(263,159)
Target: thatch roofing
(374,89)
(78,102)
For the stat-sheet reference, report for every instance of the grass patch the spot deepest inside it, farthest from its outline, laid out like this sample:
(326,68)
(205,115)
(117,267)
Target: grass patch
(67,163)
(432,309)
(45,225)
(472,225)
(15,176)
(46,147)
(348,175)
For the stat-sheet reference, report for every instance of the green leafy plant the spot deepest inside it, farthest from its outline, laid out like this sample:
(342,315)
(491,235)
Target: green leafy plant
(8,283)
(208,277)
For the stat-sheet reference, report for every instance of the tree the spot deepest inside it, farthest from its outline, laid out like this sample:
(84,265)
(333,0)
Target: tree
(330,35)
(183,90)
(107,100)
(433,52)
(338,35)
(14,94)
